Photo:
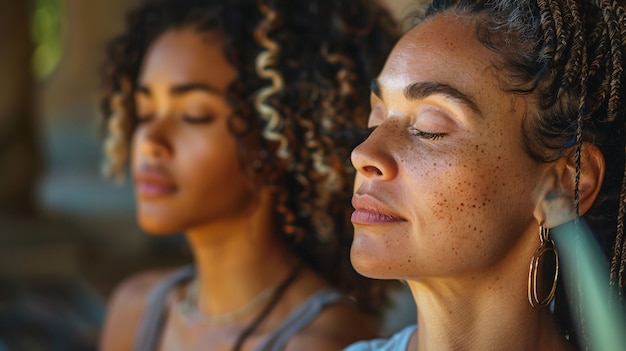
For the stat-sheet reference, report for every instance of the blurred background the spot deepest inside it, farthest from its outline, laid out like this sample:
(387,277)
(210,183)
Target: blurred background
(67,235)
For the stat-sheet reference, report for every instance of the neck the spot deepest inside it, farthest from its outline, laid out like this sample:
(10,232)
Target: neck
(452,323)
(236,259)
(486,311)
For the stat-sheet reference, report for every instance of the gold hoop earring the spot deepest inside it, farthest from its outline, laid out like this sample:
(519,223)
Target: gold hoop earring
(547,245)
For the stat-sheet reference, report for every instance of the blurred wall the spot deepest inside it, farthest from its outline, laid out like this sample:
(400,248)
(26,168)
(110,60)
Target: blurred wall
(68,215)
(19,154)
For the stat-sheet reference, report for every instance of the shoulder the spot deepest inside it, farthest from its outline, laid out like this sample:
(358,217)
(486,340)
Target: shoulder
(398,342)
(125,308)
(337,326)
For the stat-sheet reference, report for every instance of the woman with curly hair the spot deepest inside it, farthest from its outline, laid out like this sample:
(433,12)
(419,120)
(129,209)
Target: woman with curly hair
(494,180)
(237,117)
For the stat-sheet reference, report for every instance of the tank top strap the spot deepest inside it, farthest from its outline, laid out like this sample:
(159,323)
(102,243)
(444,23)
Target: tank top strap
(149,331)
(302,316)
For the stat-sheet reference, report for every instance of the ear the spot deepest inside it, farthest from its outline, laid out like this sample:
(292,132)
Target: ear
(556,198)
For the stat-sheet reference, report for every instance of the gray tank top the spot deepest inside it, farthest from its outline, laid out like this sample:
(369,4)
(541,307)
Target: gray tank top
(150,328)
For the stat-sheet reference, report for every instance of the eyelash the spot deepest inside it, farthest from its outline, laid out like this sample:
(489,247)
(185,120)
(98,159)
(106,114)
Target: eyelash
(187,119)
(426,135)
(414,131)
(198,120)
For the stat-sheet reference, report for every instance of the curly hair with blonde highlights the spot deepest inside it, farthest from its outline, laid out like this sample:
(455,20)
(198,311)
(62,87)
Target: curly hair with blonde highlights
(301,93)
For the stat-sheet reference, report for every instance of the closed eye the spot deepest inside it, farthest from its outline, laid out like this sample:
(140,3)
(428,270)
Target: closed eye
(199,119)
(426,135)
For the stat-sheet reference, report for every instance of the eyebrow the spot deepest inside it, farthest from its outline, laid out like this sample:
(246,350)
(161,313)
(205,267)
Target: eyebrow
(183,89)
(422,90)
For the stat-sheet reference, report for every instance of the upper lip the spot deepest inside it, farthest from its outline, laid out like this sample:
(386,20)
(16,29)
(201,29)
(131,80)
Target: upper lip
(367,202)
(154,175)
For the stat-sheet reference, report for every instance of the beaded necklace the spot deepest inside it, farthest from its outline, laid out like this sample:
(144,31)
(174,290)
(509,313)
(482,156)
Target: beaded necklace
(189,307)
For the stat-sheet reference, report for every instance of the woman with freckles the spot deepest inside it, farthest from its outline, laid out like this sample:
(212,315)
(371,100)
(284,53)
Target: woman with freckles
(496,125)
(236,117)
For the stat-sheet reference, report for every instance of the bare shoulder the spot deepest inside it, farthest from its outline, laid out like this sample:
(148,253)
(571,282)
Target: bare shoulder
(338,326)
(125,308)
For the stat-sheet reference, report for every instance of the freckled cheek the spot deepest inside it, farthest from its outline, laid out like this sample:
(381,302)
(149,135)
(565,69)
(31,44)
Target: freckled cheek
(463,199)
(403,258)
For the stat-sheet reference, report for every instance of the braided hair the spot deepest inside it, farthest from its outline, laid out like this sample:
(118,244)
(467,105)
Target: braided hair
(570,54)
(302,86)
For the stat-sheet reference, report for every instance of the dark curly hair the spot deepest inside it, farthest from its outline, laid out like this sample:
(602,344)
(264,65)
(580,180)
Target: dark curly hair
(570,54)
(301,92)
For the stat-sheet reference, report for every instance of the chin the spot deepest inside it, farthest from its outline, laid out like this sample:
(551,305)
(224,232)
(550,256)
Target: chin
(369,264)
(157,227)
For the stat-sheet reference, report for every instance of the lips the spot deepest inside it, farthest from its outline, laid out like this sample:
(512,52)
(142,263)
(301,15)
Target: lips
(153,182)
(370,211)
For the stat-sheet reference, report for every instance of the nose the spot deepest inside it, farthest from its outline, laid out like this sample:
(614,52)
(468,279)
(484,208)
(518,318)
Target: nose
(373,159)
(152,139)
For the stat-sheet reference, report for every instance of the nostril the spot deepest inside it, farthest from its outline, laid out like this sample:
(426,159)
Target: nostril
(155,149)
(372,170)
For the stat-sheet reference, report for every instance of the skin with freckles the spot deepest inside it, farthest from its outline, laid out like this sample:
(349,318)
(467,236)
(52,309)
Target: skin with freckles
(454,171)
(446,195)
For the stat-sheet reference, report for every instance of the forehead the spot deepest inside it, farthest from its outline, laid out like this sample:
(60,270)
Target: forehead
(182,55)
(442,49)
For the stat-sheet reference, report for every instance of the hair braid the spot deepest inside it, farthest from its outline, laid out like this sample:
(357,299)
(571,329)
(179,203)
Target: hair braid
(574,65)
(622,268)
(611,18)
(580,44)
(595,67)
(560,32)
(617,261)
(547,24)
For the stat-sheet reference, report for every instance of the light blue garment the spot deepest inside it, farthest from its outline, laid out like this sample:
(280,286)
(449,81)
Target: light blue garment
(398,342)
